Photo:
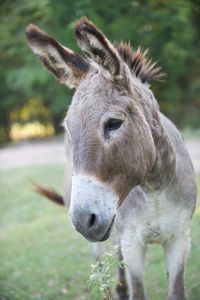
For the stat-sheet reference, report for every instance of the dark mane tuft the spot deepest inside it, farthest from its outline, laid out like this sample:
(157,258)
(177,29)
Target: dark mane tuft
(140,66)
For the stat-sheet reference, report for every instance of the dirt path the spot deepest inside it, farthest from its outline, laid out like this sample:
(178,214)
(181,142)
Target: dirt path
(30,153)
(40,152)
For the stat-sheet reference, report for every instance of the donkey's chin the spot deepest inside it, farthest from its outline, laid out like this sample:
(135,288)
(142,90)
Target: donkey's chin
(107,234)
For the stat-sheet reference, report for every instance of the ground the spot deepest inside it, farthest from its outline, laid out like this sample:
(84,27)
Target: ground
(41,255)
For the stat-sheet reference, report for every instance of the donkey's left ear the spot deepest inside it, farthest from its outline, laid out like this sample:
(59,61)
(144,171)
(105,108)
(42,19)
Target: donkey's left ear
(94,43)
(66,66)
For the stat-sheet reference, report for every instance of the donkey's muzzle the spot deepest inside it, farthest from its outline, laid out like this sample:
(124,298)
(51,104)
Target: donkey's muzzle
(92,226)
(92,207)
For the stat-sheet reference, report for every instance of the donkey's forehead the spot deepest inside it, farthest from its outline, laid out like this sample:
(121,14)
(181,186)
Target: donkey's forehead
(95,86)
(95,95)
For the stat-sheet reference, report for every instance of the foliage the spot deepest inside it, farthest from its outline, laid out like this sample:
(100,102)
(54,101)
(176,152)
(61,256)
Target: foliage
(43,257)
(102,279)
(33,119)
(171,30)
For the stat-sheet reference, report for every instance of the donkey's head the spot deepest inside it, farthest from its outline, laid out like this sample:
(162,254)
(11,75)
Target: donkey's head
(113,148)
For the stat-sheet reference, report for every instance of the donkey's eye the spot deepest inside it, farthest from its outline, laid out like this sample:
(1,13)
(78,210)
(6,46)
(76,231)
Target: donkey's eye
(112,124)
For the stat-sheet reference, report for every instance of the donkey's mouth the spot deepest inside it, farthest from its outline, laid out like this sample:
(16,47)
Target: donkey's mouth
(107,234)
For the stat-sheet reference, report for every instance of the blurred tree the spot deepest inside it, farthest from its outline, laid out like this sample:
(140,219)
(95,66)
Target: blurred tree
(171,30)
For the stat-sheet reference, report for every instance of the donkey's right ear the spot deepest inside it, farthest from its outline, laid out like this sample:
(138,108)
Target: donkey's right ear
(95,44)
(67,66)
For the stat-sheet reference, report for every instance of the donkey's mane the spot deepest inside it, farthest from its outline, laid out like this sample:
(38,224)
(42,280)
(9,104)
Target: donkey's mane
(139,64)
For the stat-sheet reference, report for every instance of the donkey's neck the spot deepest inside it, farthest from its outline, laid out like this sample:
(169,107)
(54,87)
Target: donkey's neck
(163,170)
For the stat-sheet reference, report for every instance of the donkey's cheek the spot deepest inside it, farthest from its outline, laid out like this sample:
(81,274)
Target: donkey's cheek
(92,208)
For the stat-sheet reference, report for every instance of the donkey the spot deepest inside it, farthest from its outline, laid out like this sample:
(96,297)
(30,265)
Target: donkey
(131,173)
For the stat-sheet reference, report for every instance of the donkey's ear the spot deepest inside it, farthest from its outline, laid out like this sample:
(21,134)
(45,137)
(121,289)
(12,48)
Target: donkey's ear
(94,43)
(68,67)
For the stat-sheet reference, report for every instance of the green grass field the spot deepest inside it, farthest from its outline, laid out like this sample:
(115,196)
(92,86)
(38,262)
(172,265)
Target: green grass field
(41,255)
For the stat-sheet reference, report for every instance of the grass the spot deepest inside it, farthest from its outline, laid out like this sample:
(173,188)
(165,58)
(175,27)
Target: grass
(41,255)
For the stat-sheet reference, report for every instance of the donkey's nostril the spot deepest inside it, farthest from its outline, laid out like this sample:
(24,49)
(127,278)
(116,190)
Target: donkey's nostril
(92,220)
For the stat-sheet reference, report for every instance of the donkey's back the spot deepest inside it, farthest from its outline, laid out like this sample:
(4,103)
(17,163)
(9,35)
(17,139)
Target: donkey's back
(183,186)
